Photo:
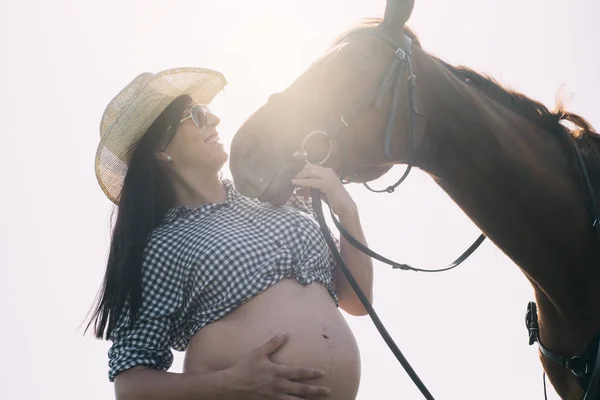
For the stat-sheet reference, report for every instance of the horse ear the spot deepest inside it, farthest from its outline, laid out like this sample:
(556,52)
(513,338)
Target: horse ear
(397,12)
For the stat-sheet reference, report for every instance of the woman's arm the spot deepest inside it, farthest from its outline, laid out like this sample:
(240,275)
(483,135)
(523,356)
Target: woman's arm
(149,384)
(360,265)
(253,376)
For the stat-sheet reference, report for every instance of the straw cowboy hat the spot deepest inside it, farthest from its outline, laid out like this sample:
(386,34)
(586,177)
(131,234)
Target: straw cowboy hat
(131,113)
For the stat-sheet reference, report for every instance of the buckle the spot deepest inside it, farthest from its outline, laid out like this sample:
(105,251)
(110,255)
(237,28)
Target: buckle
(531,322)
(577,367)
(400,53)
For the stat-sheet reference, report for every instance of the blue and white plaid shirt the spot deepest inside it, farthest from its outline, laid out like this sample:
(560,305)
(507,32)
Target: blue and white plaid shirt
(201,263)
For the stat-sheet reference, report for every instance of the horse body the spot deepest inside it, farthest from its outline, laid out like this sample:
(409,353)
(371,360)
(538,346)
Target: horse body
(522,187)
(503,158)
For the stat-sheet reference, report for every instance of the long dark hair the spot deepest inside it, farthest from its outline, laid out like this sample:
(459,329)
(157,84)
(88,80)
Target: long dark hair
(146,197)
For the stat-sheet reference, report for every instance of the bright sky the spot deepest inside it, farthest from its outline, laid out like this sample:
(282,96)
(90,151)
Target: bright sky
(64,60)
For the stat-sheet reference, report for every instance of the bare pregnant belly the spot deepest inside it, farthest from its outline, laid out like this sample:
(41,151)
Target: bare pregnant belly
(318,336)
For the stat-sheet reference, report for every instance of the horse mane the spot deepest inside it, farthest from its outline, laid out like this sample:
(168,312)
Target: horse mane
(534,111)
(373,23)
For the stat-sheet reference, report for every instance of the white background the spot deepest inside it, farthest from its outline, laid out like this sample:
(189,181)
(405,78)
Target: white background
(63,61)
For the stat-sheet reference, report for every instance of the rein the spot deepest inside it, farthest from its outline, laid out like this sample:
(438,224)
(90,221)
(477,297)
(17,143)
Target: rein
(588,376)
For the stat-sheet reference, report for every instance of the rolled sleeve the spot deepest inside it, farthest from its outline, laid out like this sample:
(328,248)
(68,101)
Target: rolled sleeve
(149,340)
(147,343)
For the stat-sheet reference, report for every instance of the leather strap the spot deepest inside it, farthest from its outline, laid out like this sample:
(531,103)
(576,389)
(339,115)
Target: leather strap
(583,367)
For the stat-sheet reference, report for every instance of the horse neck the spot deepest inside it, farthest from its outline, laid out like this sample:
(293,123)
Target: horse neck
(519,184)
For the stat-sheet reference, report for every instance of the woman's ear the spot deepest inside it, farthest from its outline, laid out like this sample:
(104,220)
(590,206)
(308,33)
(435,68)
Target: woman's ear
(162,155)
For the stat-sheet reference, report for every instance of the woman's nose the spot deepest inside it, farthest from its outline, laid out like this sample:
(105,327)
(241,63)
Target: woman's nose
(212,120)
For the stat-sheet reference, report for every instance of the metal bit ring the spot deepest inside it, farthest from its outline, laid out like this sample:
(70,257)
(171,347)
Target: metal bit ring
(302,154)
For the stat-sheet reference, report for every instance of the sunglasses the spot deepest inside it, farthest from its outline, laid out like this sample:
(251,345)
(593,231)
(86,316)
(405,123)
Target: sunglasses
(198,114)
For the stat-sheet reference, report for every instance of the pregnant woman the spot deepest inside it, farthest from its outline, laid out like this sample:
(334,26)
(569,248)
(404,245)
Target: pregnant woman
(250,291)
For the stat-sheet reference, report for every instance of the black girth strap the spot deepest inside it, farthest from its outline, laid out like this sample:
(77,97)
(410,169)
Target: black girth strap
(582,366)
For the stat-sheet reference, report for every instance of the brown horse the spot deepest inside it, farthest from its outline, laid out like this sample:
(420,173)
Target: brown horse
(505,159)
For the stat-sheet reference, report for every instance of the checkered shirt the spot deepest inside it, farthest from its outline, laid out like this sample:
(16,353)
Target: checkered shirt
(201,263)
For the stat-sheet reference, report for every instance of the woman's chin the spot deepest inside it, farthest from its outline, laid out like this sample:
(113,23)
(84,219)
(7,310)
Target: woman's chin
(215,161)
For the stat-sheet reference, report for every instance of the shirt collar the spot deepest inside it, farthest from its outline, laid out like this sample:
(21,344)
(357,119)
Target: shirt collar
(182,211)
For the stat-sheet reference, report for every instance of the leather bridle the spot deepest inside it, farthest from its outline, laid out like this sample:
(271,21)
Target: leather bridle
(401,63)
(376,95)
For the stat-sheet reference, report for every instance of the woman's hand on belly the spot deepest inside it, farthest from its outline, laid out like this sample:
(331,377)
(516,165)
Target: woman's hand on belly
(255,376)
